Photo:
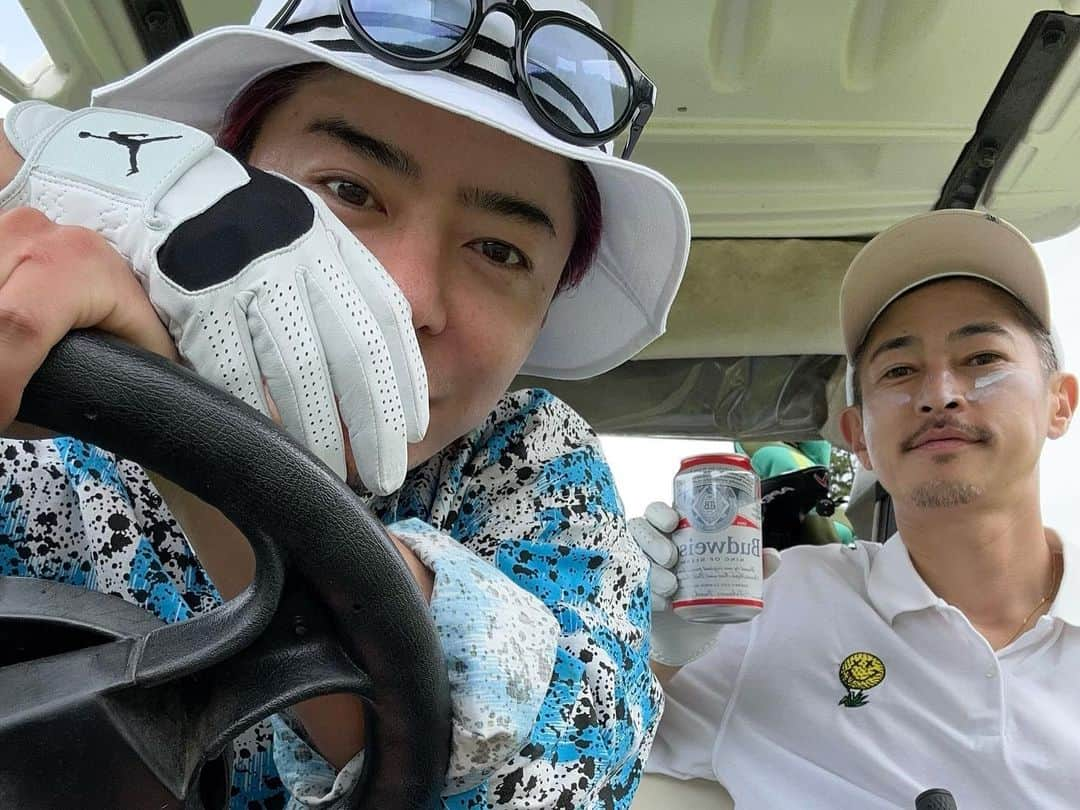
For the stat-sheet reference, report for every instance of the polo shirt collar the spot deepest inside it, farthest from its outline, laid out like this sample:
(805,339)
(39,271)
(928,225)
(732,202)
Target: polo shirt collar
(1067,604)
(894,586)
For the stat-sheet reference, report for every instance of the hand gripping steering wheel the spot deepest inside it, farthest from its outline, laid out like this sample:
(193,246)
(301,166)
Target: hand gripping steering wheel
(103,705)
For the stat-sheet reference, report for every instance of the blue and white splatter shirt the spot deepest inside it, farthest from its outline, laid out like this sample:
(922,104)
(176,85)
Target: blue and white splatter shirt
(521,525)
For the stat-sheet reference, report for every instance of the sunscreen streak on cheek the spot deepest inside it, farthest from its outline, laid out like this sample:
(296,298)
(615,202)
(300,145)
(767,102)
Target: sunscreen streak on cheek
(1004,381)
(991,379)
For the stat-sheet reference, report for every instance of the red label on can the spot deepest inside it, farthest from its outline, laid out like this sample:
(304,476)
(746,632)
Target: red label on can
(743,521)
(726,600)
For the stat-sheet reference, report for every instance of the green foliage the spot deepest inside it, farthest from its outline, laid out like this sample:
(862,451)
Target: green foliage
(842,473)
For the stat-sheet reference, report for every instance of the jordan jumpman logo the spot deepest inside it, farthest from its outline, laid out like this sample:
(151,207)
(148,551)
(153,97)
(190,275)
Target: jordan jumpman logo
(132,140)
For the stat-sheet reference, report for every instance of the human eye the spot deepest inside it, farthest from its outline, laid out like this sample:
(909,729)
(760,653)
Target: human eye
(351,193)
(984,358)
(502,254)
(897,372)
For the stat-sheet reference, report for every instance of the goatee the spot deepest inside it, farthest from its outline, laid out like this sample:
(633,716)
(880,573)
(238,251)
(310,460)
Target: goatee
(943,494)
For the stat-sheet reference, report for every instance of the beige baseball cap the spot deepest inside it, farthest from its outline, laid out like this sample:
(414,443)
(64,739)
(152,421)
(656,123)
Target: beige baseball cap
(939,244)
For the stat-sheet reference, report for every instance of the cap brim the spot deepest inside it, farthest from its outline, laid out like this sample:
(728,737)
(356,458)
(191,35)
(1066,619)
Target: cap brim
(940,244)
(622,304)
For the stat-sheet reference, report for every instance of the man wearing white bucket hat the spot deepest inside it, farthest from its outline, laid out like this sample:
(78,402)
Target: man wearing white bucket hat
(469,147)
(940,659)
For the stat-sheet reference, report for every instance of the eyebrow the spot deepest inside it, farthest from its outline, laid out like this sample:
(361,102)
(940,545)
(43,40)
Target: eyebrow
(398,160)
(507,205)
(981,328)
(385,154)
(901,342)
(966,331)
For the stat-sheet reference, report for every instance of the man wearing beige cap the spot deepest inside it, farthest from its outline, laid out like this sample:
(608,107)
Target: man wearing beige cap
(945,657)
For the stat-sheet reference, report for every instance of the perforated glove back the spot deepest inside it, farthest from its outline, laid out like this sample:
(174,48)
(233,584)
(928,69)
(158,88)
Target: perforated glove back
(255,278)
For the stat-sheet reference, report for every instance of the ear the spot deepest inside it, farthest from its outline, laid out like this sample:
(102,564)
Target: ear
(1064,391)
(852,427)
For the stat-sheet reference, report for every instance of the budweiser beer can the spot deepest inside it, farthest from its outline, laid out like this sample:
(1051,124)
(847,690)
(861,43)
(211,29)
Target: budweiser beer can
(719,539)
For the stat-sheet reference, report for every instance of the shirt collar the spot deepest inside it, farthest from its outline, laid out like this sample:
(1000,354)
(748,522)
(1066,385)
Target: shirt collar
(1067,603)
(894,586)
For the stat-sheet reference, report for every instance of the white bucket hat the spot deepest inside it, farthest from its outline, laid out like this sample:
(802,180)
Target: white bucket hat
(621,305)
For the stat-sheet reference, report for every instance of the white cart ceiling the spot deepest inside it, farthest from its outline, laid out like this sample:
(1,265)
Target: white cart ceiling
(841,117)
(775,118)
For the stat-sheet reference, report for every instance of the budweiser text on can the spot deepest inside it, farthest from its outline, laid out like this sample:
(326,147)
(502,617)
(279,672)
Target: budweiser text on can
(719,539)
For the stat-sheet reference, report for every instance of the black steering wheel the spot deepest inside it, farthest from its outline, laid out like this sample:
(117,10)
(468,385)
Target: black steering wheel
(103,705)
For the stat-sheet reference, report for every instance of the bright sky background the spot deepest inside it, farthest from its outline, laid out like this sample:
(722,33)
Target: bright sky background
(644,467)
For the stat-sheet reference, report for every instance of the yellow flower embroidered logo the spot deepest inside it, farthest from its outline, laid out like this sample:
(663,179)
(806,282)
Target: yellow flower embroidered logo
(858,672)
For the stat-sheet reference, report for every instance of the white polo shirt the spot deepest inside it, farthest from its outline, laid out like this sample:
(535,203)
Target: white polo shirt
(766,713)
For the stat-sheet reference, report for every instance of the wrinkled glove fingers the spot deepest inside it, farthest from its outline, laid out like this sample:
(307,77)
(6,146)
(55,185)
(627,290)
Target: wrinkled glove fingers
(662,582)
(290,357)
(222,332)
(657,547)
(393,315)
(662,516)
(364,381)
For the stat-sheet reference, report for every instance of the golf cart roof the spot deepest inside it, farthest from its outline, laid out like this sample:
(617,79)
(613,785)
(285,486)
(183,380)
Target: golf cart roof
(781,119)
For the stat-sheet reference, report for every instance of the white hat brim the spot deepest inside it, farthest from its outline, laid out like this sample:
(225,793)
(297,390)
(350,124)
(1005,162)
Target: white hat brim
(622,304)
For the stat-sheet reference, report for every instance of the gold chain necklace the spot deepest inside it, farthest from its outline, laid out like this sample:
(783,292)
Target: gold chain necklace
(1056,574)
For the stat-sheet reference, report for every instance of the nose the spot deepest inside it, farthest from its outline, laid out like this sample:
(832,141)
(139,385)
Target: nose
(941,391)
(417,263)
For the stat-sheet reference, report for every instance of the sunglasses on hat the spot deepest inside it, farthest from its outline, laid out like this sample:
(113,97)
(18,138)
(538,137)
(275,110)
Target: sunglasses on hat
(575,81)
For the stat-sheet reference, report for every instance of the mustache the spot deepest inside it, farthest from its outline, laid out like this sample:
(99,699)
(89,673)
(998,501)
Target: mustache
(971,432)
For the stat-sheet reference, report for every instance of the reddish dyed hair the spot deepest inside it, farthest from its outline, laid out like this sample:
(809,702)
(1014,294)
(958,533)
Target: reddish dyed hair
(247,113)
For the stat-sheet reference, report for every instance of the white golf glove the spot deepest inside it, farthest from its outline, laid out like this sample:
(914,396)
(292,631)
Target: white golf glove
(675,641)
(254,276)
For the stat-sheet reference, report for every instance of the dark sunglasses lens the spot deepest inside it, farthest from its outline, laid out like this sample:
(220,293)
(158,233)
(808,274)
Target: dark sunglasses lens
(579,83)
(414,28)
